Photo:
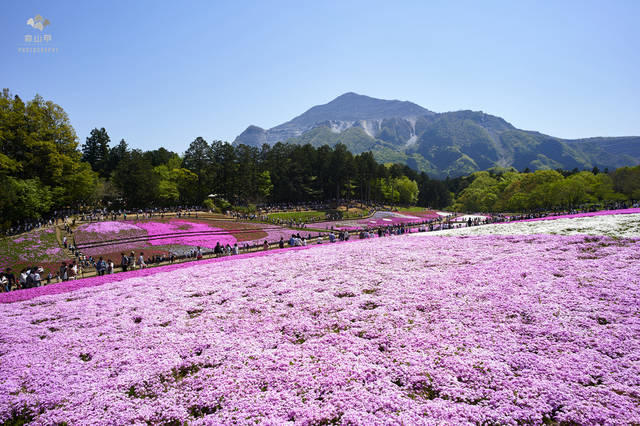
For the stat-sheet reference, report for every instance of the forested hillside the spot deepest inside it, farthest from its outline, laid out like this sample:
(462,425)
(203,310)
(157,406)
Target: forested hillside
(449,144)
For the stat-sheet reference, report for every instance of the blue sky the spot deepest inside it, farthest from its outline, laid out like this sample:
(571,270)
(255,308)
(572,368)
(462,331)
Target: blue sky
(163,73)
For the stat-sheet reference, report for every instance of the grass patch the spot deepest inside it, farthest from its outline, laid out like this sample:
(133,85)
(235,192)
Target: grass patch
(304,216)
(39,247)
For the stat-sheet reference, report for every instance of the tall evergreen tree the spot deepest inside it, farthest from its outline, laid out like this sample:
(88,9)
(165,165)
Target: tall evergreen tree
(116,154)
(95,151)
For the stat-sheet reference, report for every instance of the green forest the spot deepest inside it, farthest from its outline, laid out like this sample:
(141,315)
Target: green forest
(44,168)
(510,191)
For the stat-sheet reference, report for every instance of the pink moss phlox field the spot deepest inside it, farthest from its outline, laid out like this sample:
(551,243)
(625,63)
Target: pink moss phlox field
(176,226)
(402,330)
(108,227)
(425,214)
(69,286)
(53,251)
(108,231)
(112,230)
(382,218)
(274,234)
(588,214)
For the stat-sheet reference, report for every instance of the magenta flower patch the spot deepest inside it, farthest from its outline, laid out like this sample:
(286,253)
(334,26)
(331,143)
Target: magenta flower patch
(195,234)
(382,218)
(408,330)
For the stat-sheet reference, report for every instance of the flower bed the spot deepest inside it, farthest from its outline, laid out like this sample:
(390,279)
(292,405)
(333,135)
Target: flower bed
(106,234)
(614,225)
(164,234)
(35,248)
(466,217)
(588,214)
(382,218)
(204,235)
(424,214)
(529,329)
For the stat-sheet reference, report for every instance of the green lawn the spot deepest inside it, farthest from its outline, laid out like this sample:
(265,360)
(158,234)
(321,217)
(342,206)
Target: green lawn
(412,209)
(305,216)
(353,213)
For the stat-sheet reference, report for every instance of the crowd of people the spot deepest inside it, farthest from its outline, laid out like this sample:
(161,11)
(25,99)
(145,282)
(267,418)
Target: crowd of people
(31,225)
(98,215)
(27,278)
(82,266)
(288,207)
(101,215)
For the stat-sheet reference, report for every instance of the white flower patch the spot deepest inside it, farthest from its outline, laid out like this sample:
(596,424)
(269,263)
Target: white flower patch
(620,226)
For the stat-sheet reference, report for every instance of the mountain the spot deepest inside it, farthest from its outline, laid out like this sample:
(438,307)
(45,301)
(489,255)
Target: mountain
(441,144)
(342,113)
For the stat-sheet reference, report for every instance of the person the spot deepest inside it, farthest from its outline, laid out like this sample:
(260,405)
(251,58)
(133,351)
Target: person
(124,262)
(72,271)
(22,280)
(217,249)
(49,277)
(10,277)
(141,262)
(101,266)
(109,266)
(30,281)
(235,248)
(37,279)
(265,245)
(199,253)
(4,283)
(281,243)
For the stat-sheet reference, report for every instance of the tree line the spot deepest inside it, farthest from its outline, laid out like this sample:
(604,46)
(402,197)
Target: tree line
(244,174)
(44,169)
(501,190)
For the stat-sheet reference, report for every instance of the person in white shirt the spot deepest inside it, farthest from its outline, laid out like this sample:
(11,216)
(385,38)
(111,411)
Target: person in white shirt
(141,263)
(4,283)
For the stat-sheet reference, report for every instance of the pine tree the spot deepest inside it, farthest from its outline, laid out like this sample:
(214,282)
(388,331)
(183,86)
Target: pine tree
(95,151)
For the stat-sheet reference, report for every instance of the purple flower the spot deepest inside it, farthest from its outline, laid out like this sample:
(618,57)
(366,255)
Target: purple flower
(414,330)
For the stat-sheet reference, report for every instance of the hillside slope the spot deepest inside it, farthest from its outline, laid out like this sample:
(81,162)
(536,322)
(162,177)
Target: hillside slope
(441,144)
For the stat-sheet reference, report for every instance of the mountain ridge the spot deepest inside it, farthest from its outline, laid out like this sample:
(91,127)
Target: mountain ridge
(442,144)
